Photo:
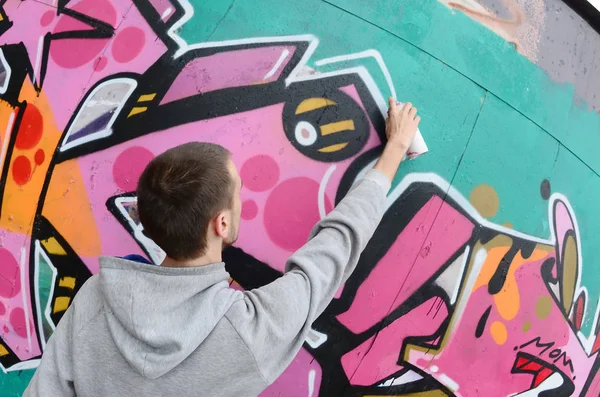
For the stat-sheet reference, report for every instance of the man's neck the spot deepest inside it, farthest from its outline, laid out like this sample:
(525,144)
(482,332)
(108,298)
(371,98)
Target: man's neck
(206,259)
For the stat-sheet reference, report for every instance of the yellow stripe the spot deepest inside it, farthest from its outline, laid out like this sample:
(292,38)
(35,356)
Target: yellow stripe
(61,304)
(136,110)
(1,19)
(53,247)
(146,97)
(332,128)
(68,282)
(333,148)
(313,103)
(3,351)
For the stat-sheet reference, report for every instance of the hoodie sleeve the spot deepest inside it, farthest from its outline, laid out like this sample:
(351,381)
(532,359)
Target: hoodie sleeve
(275,320)
(54,375)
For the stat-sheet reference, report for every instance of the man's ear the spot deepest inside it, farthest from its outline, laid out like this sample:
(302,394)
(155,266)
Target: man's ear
(221,224)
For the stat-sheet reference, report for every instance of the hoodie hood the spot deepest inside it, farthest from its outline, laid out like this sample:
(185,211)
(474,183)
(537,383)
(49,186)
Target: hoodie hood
(159,315)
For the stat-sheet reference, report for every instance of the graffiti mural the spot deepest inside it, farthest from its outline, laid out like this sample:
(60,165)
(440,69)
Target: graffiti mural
(92,90)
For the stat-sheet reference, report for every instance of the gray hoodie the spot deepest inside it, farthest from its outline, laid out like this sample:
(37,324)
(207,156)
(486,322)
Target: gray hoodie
(142,330)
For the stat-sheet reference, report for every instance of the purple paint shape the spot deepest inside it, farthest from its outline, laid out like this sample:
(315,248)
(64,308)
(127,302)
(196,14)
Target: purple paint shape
(98,124)
(229,69)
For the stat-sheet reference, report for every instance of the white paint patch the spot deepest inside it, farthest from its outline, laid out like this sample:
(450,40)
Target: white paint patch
(408,377)
(554,381)
(315,338)
(278,64)
(448,382)
(8,70)
(311,382)
(166,13)
(451,278)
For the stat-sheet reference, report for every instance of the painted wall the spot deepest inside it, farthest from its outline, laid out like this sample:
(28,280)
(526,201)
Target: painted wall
(480,281)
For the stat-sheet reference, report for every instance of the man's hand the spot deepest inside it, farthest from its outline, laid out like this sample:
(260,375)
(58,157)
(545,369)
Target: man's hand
(401,125)
(400,128)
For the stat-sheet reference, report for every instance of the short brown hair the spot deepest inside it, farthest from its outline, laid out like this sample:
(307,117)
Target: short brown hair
(179,192)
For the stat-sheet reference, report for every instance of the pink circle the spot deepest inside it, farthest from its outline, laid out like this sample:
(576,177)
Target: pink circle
(291,211)
(47,18)
(2,309)
(17,320)
(249,209)
(128,44)
(100,63)
(10,280)
(260,173)
(73,53)
(129,165)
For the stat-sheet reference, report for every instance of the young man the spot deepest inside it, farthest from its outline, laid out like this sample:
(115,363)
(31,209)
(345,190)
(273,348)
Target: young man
(178,329)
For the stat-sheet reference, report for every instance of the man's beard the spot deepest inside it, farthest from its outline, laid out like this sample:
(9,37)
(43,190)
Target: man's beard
(231,241)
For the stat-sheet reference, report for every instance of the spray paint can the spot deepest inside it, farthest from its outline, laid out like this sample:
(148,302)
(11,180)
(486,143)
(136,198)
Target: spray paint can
(418,145)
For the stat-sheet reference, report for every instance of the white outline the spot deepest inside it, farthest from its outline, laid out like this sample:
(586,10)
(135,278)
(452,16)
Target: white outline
(7,136)
(8,70)
(48,308)
(282,57)
(38,60)
(305,125)
(157,255)
(595,3)
(322,188)
(108,130)
(39,251)
(29,364)
(462,270)
(362,55)
(22,261)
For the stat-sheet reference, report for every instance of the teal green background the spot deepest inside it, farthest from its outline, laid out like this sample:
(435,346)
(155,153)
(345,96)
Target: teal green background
(489,115)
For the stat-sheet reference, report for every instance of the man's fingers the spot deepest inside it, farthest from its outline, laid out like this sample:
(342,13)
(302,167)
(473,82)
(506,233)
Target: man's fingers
(418,119)
(407,107)
(412,112)
(392,102)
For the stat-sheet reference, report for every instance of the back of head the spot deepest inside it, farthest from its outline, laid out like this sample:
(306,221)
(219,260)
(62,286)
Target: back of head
(179,192)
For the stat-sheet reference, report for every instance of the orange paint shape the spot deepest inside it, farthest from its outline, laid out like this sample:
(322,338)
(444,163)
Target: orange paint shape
(508,300)
(499,332)
(71,213)
(25,177)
